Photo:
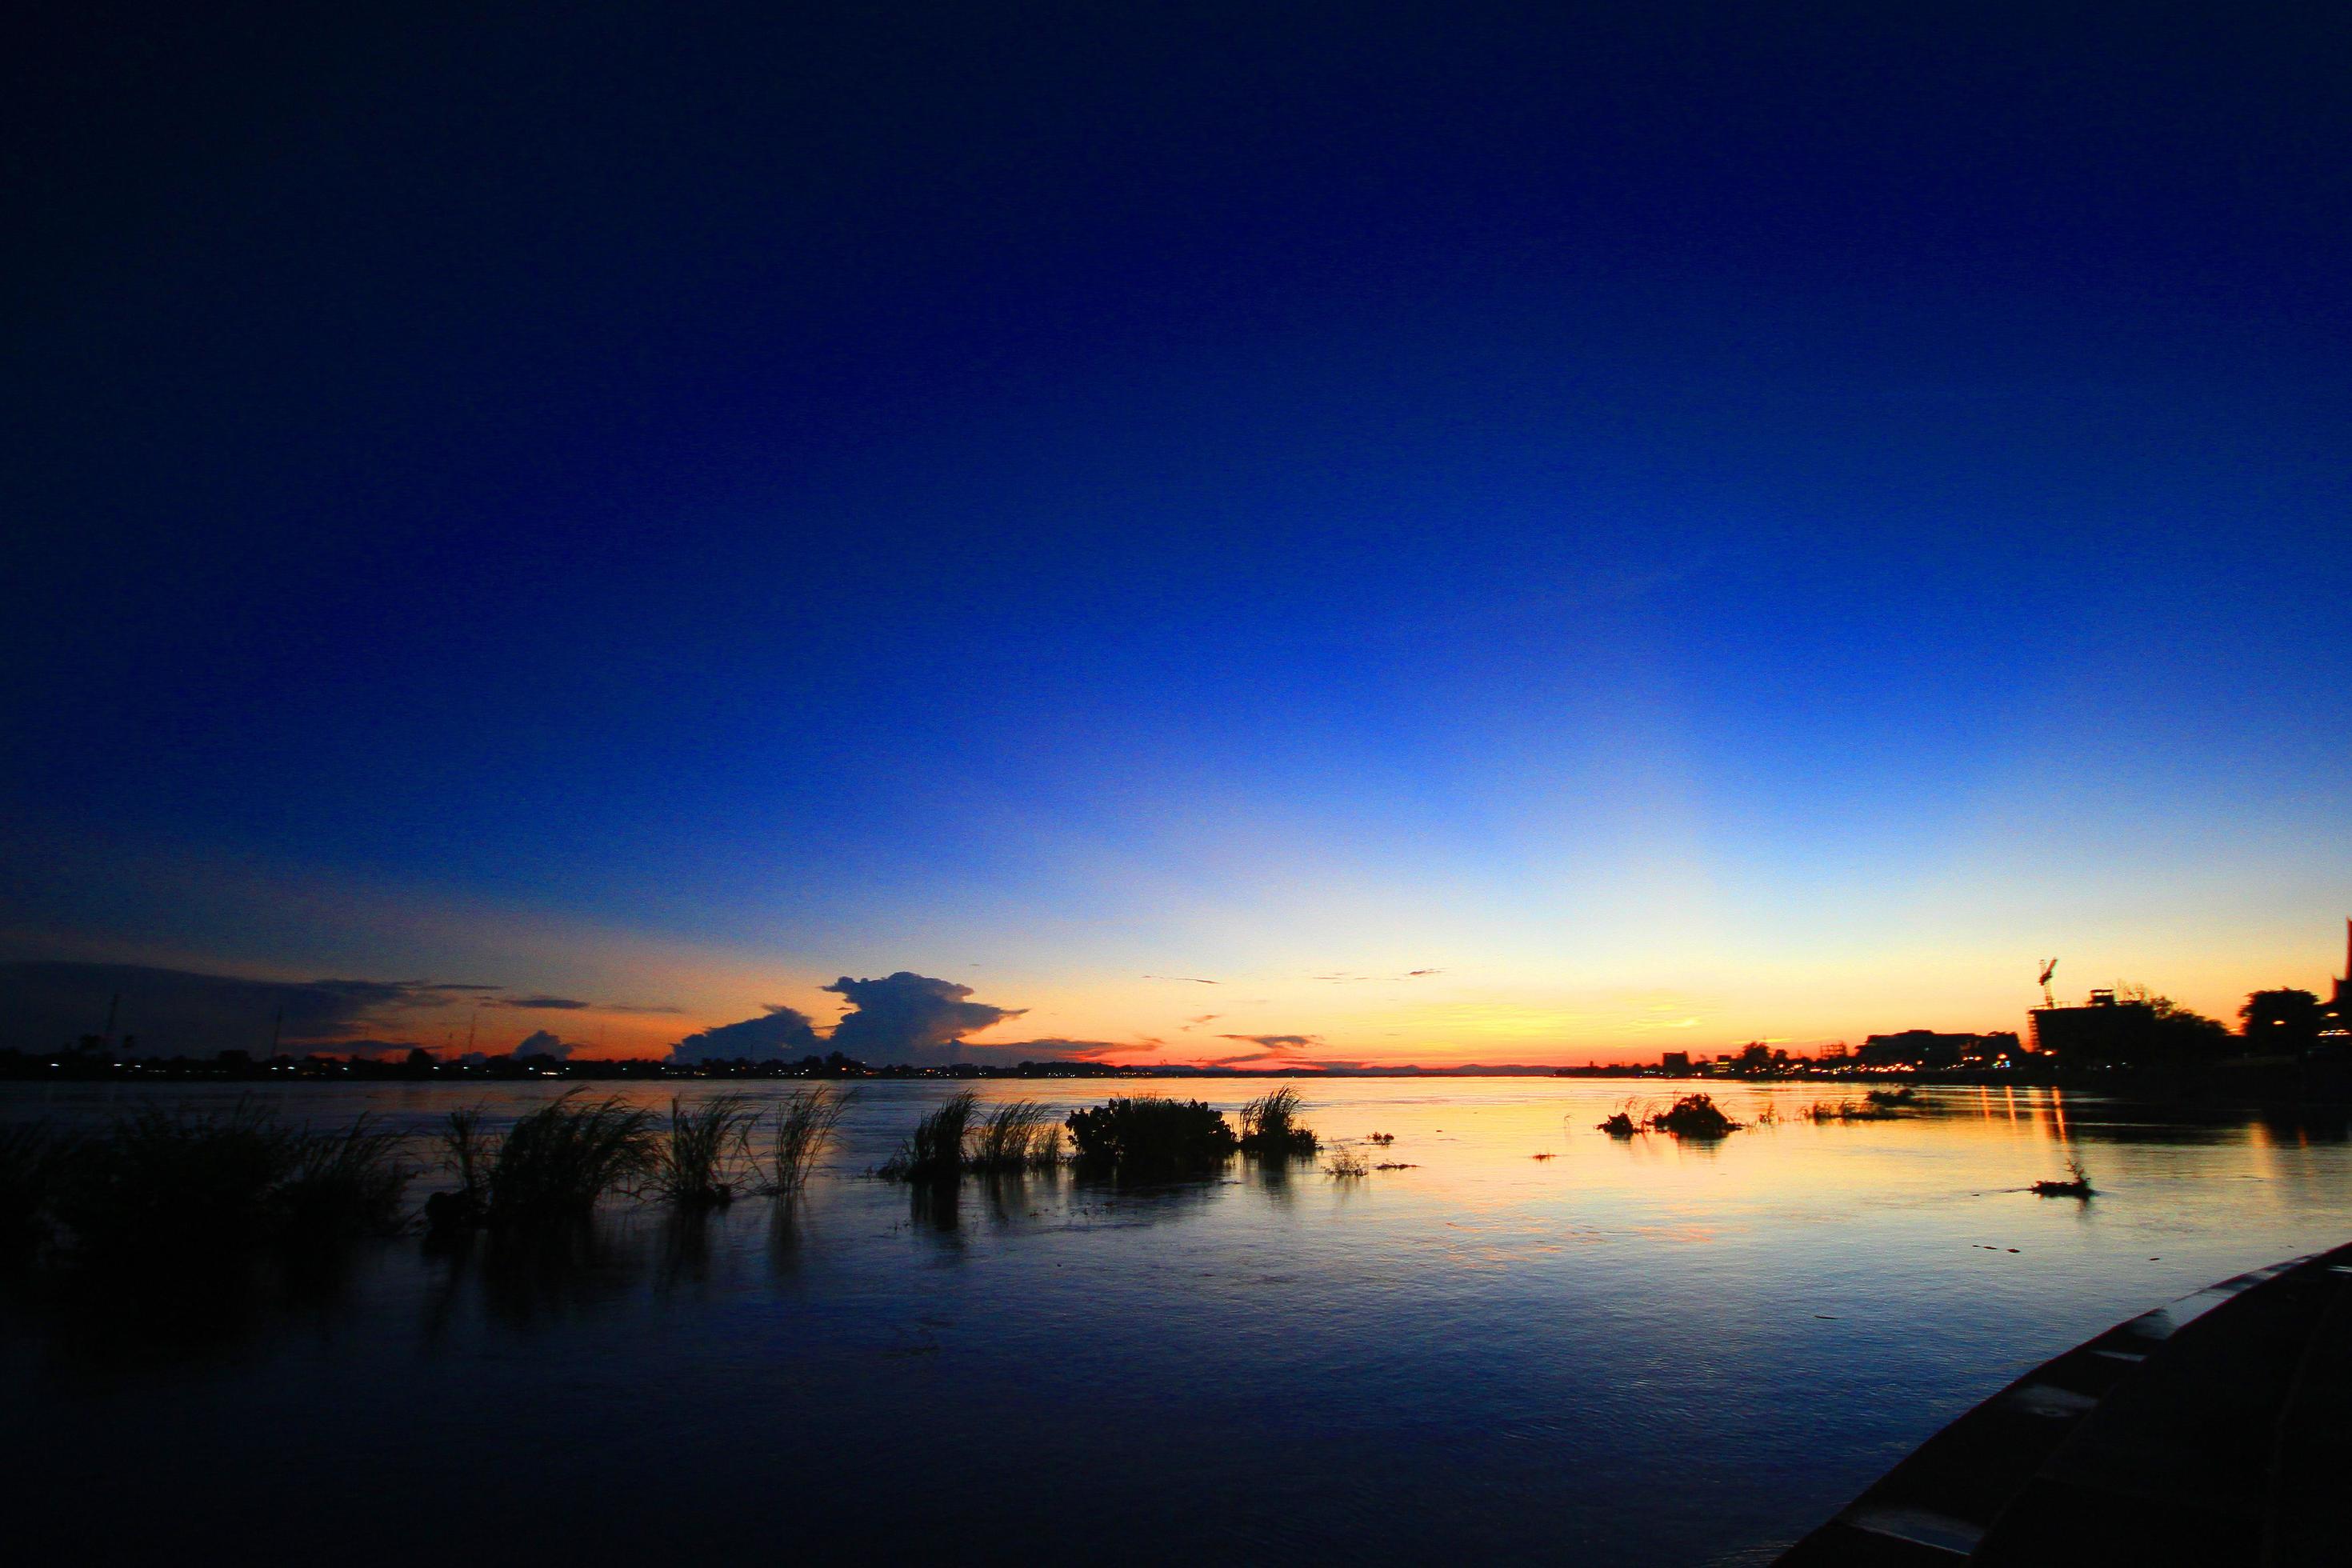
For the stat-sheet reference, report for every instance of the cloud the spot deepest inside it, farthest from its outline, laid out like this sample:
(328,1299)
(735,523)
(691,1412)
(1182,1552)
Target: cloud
(1188,1024)
(909,1018)
(542,1004)
(1417,974)
(1060,1050)
(1186,979)
(779,1034)
(544,1044)
(172,1012)
(1284,1044)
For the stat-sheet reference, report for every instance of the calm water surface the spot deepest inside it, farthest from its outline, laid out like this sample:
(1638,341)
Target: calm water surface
(1651,1351)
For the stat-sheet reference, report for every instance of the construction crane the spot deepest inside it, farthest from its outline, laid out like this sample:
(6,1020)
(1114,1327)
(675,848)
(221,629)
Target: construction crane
(2049,968)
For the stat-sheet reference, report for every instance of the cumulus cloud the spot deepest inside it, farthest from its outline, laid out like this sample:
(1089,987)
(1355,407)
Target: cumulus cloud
(909,1018)
(544,1044)
(779,1034)
(175,1012)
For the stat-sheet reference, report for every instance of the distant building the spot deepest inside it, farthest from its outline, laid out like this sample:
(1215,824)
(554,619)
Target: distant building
(1678,1063)
(2335,1013)
(1923,1048)
(2103,1030)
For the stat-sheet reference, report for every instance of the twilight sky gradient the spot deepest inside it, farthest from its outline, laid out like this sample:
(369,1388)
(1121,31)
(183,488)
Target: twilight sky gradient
(1678,524)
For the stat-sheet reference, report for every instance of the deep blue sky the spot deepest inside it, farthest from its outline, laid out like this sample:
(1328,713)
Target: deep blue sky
(1728,512)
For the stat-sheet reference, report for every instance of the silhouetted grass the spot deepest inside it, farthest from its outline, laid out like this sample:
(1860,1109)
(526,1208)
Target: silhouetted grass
(555,1163)
(1892,1099)
(1851,1111)
(191,1181)
(1019,1135)
(1693,1116)
(804,1125)
(702,1160)
(2076,1185)
(1270,1127)
(1148,1134)
(194,1183)
(346,1184)
(936,1151)
(1619,1124)
(34,1160)
(1347,1164)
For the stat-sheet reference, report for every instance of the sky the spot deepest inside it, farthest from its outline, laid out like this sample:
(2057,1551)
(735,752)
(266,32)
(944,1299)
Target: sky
(1271,535)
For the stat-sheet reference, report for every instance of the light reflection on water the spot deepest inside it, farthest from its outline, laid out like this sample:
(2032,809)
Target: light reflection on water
(1652,1350)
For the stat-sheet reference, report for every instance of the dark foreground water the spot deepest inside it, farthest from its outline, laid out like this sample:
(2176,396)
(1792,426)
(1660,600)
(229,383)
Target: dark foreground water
(1627,1352)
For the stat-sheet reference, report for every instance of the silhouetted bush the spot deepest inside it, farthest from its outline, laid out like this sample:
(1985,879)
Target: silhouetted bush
(1149,1133)
(935,1153)
(804,1124)
(1892,1099)
(1619,1124)
(1270,1127)
(1694,1116)
(2076,1185)
(1347,1164)
(700,1162)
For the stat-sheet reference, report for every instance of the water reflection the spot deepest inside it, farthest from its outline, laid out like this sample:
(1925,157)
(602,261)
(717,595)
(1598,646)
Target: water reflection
(1405,1359)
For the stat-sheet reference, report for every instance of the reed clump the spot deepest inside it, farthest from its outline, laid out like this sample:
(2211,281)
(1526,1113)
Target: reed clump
(1271,1130)
(1150,1133)
(1850,1111)
(936,1150)
(706,1152)
(1019,1135)
(1347,1164)
(1619,1124)
(34,1160)
(551,1165)
(197,1182)
(2076,1185)
(1892,1099)
(804,1127)
(346,1185)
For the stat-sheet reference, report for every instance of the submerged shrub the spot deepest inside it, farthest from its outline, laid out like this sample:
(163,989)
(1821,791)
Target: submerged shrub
(1270,1126)
(558,1159)
(1619,1124)
(1694,1116)
(1851,1111)
(935,1153)
(34,1161)
(1890,1098)
(2076,1185)
(1019,1135)
(346,1184)
(1151,1133)
(186,1182)
(804,1125)
(1346,1163)
(700,1161)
